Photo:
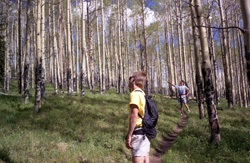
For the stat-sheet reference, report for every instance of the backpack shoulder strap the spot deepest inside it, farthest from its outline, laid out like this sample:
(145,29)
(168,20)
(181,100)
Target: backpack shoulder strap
(139,91)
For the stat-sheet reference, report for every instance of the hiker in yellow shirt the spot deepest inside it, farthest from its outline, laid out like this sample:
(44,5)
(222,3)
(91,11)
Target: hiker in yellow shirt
(136,140)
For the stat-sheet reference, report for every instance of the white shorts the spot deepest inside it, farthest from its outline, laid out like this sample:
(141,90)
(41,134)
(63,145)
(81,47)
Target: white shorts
(140,144)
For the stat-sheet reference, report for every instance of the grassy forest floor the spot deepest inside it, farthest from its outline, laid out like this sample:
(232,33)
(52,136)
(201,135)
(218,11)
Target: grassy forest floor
(92,129)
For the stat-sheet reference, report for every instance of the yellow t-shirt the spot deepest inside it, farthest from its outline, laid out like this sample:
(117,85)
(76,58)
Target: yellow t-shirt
(137,98)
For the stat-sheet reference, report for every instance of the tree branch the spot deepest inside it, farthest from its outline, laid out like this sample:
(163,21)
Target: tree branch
(242,30)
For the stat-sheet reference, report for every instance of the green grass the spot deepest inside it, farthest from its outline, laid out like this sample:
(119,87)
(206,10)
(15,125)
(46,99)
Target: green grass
(92,129)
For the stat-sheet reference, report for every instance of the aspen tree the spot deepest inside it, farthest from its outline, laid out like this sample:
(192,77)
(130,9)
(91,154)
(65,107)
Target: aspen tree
(119,50)
(123,53)
(61,42)
(225,57)
(103,50)
(237,77)
(144,47)
(245,8)
(108,64)
(116,60)
(90,64)
(135,45)
(179,43)
(242,75)
(77,50)
(43,73)
(33,52)
(69,50)
(72,48)
(110,56)
(152,73)
(19,47)
(168,51)
(27,61)
(33,64)
(213,58)
(15,46)
(38,59)
(65,57)
(172,46)
(207,76)
(83,51)
(198,75)
(127,47)
(99,50)
(55,51)
(51,70)
(7,55)
(191,70)
(231,67)
(183,42)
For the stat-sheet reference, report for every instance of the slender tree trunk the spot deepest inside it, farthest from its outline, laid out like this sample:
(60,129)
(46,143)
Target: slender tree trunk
(152,73)
(207,76)
(43,73)
(179,43)
(84,52)
(7,55)
(19,47)
(122,57)
(231,67)
(135,46)
(103,50)
(242,74)
(32,57)
(55,51)
(65,57)
(34,50)
(199,81)
(15,47)
(128,59)
(225,58)
(169,53)
(116,73)
(119,50)
(245,8)
(70,82)
(77,56)
(213,58)
(144,47)
(191,70)
(110,56)
(90,66)
(183,42)
(61,42)
(99,51)
(27,61)
(108,64)
(38,59)
(173,47)
(237,77)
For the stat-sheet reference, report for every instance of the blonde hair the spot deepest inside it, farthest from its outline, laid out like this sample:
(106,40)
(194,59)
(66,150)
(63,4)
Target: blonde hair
(140,78)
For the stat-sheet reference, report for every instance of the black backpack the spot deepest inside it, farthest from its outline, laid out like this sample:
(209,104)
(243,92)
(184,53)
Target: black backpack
(150,118)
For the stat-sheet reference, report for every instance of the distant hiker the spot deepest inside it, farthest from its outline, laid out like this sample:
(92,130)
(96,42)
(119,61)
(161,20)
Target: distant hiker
(138,143)
(183,91)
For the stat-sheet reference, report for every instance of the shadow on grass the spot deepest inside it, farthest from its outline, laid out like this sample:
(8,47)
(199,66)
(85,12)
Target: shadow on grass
(5,156)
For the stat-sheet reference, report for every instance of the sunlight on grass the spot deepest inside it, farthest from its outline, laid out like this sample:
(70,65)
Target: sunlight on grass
(92,129)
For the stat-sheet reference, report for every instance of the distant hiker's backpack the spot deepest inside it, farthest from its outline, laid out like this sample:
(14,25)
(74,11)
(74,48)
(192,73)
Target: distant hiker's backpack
(150,118)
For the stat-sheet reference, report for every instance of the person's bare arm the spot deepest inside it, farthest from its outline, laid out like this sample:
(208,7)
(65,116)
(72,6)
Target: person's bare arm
(171,84)
(132,124)
(188,92)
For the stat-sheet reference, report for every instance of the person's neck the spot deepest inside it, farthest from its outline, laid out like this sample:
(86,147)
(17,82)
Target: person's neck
(136,87)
